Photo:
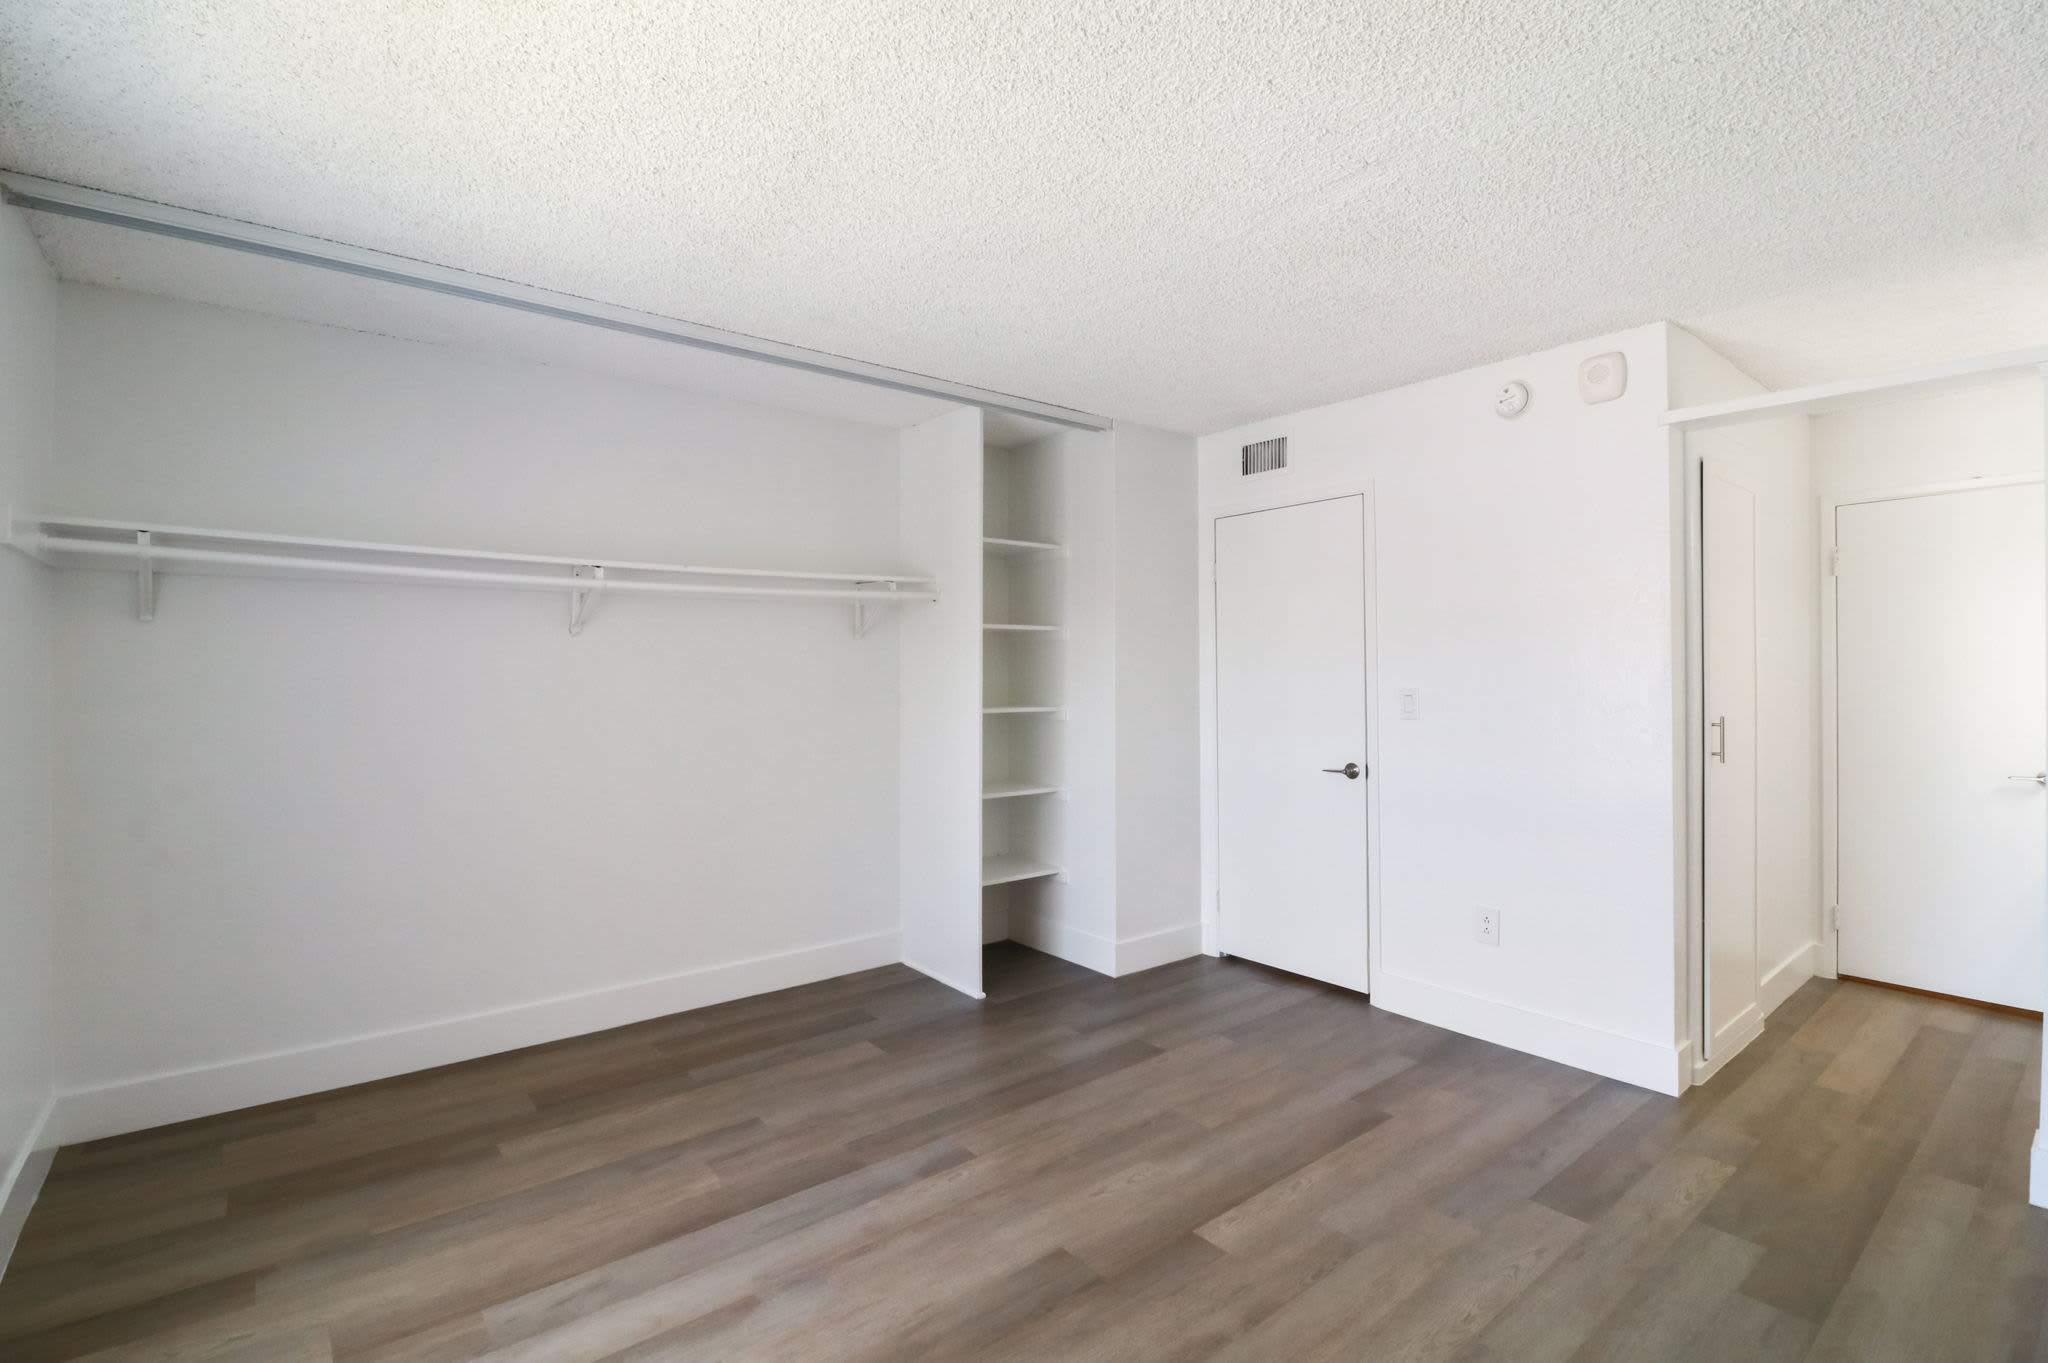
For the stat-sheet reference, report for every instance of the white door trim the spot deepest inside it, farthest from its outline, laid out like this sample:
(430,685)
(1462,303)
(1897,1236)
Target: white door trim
(1829,958)
(1277,499)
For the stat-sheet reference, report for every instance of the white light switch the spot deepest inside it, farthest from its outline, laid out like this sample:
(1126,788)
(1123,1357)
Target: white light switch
(1411,703)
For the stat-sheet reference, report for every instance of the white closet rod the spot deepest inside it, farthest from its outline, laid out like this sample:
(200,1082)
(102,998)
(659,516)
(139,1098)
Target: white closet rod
(49,529)
(57,544)
(95,543)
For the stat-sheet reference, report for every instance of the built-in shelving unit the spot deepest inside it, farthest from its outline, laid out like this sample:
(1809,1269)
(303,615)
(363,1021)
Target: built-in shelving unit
(1024,683)
(1006,717)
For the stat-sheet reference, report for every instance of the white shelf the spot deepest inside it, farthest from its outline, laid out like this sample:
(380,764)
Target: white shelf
(1010,790)
(1020,709)
(149,549)
(1032,629)
(1001,870)
(1003,546)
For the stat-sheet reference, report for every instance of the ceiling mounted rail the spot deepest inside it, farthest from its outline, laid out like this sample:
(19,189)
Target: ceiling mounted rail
(151,551)
(120,210)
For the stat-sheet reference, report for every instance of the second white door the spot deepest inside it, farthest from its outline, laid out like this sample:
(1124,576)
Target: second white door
(1290,716)
(1942,814)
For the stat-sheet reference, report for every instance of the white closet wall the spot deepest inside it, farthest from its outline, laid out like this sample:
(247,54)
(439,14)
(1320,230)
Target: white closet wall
(939,837)
(28,338)
(312,832)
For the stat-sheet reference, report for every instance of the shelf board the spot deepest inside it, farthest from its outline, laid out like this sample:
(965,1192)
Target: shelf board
(1002,546)
(1008,790)
(1001,870)
(1020,709)
(1036,629)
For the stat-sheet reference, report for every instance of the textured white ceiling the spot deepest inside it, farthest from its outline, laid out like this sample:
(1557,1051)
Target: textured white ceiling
(1189,212)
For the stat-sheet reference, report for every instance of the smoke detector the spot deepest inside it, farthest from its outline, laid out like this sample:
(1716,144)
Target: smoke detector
(1511,399)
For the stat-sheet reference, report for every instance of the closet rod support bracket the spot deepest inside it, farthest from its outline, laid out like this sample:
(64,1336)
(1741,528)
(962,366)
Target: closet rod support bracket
(866,613)
(580,599)
(145,579)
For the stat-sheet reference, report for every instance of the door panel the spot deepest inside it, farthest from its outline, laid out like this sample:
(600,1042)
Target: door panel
(1290,701)
(1728,603)
(1941,669)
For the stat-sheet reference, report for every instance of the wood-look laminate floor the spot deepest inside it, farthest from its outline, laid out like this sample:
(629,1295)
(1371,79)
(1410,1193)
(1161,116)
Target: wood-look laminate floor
(1209,1161)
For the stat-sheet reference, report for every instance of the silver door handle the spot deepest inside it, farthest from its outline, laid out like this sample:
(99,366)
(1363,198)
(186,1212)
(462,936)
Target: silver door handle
(1720,728)
(1349,771)
(2039,778)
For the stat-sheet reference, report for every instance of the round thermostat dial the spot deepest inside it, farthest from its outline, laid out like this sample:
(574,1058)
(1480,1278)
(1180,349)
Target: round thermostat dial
(1512,398)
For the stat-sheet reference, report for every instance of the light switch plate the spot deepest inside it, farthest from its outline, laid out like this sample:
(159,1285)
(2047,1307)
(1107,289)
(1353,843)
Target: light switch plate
(1411,703)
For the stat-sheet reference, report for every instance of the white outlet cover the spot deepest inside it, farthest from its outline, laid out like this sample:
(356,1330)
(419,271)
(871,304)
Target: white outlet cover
(1511,399)
(1603,378)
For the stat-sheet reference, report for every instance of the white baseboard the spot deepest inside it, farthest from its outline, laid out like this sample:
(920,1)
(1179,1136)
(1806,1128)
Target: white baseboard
(24,1179)
(1782,980)
(946,980)
(1646,1064)
(1042,932)
(1730,1043)
(175,1096)
(2037,1173)
(1163,947)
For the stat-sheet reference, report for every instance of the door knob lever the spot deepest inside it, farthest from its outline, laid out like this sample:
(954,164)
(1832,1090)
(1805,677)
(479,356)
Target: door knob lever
(1349,771)
(2039,778)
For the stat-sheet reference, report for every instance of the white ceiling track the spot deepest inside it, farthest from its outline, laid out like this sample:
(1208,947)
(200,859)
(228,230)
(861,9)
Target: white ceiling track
(1826,397)
(150,550)
(121,210)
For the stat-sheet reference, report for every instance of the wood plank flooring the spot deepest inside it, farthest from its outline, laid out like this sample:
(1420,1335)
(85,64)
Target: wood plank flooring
(1208,1161)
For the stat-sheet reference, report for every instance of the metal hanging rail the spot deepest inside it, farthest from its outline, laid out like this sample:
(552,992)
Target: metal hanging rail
(153,550)
(184,224)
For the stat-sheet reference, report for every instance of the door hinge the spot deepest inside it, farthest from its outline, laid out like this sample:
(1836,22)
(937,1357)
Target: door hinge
(1833,918)
(1834,563)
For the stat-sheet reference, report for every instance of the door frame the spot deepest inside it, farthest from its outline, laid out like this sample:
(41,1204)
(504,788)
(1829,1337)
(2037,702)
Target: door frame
(1830,679)
(1248,502)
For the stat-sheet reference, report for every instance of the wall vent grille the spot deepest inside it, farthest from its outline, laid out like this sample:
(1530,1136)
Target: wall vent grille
(1264,456)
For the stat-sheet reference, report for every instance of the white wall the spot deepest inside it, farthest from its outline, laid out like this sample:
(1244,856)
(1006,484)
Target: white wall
(1158,750)
(313,833)
(1524,588)
(1943,437)
(28,321)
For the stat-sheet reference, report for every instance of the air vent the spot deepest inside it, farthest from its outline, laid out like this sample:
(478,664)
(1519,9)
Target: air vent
(1265,456)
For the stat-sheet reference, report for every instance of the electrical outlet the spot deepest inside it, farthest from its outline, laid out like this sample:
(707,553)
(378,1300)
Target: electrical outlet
(1487,929)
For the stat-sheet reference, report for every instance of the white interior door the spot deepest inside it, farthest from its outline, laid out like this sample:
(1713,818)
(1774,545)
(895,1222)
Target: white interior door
(1290,704)
(1728,606)
(1940,670)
